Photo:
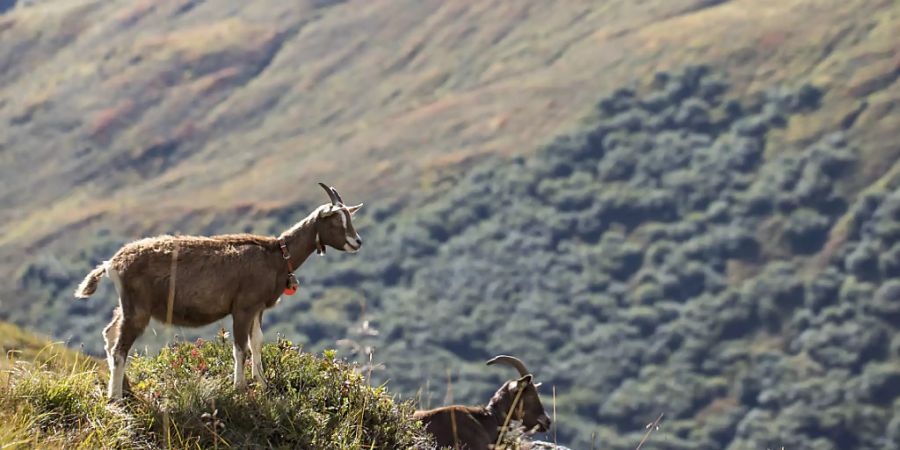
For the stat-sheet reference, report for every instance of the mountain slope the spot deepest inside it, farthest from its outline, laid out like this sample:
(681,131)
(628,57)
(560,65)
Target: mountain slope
(125,119)
(119,109)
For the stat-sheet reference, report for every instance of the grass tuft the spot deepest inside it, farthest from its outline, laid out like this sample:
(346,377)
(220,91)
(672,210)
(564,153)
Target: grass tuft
(184,398)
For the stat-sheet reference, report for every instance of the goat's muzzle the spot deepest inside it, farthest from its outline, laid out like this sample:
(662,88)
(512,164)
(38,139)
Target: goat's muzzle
(353,244)
(543,424)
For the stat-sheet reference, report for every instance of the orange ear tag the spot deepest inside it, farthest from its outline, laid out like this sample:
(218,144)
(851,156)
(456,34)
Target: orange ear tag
(292,285)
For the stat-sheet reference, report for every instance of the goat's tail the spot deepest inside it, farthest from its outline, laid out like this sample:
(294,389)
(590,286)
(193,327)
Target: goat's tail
(89,285)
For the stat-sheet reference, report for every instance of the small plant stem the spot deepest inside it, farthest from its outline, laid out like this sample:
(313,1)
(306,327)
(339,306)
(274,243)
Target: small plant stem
(509,415)
(650,427)
(452,413)
(554,415)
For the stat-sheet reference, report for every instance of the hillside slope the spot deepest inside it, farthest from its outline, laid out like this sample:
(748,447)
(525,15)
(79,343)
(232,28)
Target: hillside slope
(18,344)
(667,257)
(165,115)
(695,233)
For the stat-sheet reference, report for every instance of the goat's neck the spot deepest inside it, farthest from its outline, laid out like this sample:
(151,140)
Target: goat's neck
(497,409)
(301,239)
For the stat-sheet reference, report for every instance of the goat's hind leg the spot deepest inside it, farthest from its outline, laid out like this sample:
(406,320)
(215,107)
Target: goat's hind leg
(111,334)
(130,328)
(117,357)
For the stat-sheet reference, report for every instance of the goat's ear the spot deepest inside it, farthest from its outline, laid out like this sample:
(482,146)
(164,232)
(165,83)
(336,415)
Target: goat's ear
(326,211)
(524,381)
(353,209)
(537,385)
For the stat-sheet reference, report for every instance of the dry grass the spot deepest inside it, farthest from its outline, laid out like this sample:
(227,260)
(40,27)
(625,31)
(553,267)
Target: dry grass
(19,345)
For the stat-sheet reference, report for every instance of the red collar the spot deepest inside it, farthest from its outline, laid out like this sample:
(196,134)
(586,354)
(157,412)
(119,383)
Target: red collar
(286,254)
(291,283)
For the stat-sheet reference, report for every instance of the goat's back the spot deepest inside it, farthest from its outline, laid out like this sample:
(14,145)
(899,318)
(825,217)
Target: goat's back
(214,275)
(192,247)
(470,431)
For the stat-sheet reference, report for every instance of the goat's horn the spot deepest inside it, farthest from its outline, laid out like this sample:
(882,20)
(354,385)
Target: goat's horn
(340,200)
(512,361)
(331,194)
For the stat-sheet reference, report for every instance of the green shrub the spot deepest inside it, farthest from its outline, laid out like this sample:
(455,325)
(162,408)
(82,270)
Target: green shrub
(886,302)
(889,262)
(806,231)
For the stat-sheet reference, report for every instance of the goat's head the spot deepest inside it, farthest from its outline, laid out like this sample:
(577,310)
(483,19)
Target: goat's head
(334,227)
(529,409)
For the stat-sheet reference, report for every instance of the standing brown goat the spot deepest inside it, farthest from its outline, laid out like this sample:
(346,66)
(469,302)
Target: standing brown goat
(194,281)
(479,427)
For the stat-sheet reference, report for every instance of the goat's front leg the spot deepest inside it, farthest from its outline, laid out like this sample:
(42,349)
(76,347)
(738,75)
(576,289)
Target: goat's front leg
(238,352)
(241,326)
(256,341)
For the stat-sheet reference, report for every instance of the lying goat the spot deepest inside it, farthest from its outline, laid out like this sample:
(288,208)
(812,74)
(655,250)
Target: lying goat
(194,281)
(479,428)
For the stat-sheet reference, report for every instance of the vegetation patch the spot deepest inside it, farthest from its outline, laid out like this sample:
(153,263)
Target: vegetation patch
(184,398)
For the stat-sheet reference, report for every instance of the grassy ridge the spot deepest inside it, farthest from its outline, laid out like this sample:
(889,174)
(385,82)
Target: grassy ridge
(18,344)
(183,398)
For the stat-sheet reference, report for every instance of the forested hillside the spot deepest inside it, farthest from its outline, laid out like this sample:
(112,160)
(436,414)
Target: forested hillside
(717,242)
(665,259)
